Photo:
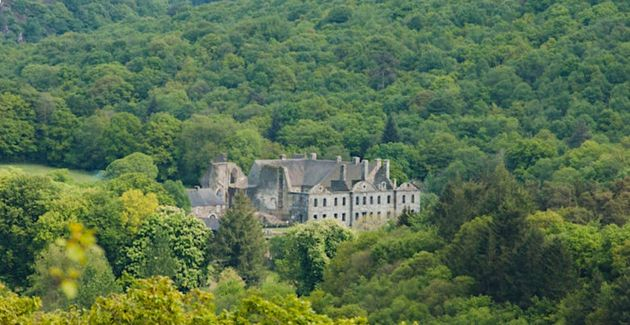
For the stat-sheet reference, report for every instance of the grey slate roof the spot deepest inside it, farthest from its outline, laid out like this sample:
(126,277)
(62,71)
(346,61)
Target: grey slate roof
(203,197)
(306,173)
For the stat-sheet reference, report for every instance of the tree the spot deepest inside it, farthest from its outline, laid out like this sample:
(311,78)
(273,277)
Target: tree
(239,242)
(15,309)
(139,181)
(201,141)
(134,163)
(177,191)
(169,243)
(391,131)
(23,199)
(95,279)
(153,301)
(307,251)
(229,290)
(160,141)
(307,133)
(158,258)
(88,147)
(136,207)
(122,137)
(17,132)
(57,136)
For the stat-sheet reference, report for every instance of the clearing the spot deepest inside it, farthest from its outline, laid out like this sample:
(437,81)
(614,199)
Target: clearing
(78,176)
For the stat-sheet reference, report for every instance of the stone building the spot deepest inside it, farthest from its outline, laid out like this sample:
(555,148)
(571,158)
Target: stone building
(305,188)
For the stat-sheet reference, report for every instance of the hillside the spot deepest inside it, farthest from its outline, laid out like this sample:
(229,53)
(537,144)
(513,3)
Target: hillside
(512,116)
(461,81)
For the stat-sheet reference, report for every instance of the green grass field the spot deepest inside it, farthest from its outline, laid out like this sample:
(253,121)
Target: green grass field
(78,176)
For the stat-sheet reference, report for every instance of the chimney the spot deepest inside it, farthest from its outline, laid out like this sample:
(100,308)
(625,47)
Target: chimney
(364,169)
(339,159)
(342,172)
(283,157)
(313,156)
(378,163)
(387,168)
(355,160)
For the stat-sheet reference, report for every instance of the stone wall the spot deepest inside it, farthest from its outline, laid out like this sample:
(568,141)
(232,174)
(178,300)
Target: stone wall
(330,206)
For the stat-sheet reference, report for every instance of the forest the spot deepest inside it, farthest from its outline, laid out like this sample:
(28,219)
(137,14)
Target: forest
(512,116)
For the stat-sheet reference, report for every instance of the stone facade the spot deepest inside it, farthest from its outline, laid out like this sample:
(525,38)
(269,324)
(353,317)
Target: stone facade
(303,189)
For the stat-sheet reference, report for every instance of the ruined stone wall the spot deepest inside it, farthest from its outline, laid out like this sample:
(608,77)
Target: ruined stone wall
(272,195)
(298,207)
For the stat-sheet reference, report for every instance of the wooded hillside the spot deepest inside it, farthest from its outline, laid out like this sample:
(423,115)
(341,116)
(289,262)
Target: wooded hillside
(514,116)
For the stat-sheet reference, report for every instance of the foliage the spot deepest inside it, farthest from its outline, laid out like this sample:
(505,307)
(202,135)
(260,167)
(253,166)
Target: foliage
(156,301)
(133,163)
(169,243)
(137,207)
(513,115)
(228,290)
(239,242)
(95,279)
(15,309)
(23,199)
(307,250)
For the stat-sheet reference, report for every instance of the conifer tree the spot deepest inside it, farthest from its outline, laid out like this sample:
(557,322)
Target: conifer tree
(390,134)
(239,241)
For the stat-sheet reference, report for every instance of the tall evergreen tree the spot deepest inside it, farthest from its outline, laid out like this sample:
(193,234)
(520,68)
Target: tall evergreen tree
(390,134)
(239,241)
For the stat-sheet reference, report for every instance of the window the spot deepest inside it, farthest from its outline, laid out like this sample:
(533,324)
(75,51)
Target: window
(335,215)
(371,200)
(379,214)
(324,202)
(356,216)
(404,197)
(324,216)
(315,202)
(363,214)
(335,201)
(343,217)
(343,201)
(357,203)
(378,199)
(364,200)
(413,198)
(315,216)
(389,199)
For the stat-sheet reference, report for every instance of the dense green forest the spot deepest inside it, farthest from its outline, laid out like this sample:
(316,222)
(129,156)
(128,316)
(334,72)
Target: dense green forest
(513,116)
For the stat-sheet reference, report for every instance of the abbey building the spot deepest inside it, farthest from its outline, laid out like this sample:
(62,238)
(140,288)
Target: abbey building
(303,188)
